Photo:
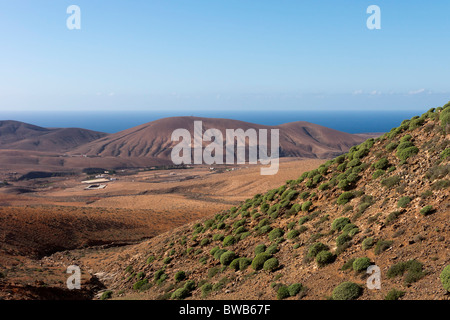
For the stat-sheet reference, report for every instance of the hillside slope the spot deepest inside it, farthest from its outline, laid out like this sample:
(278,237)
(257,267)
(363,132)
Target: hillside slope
(153,139)
(385,201)
(17,135)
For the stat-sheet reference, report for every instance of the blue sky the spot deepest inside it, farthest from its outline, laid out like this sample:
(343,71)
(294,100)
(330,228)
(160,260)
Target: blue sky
(223,55)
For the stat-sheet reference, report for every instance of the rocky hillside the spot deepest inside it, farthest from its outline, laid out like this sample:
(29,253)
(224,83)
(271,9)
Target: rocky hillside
(384,203)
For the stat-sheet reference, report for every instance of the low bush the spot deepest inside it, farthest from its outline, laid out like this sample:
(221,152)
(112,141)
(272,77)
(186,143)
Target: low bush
(361,264)
(228,241)
(347,291)
(427,210)
(342,239)
(394,294)
(445,278)
(293,234)
(227,257)
(295,289)
(404,154)
(259,260)
(382,245)
(445,154)
(106,295)
(381,164)
(344,198)
(206,289)
(367,243)
(140,284)
(283,293)
(324,257)
(413,269)
(260,248)
(377,174)
(180,276)
(315,248)
(339,223)
(275,234)
(306,206)
(271,264)
(391,182)
(403,202)
(180,294)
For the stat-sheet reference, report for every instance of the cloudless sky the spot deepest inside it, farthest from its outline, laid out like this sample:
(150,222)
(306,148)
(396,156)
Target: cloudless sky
(223,55)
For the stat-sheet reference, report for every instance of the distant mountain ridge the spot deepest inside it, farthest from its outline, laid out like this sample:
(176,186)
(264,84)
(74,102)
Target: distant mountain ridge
(16,135)
(153,139)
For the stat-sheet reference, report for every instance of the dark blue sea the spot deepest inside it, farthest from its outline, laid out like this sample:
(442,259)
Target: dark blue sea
(111,122)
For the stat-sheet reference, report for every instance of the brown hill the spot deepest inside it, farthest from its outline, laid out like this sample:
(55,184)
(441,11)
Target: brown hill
(385,203)
(153,139)
(17,135)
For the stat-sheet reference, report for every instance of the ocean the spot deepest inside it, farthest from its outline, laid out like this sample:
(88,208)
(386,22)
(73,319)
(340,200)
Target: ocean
(111,122)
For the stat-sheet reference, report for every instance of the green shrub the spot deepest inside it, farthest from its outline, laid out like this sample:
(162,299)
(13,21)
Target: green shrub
(378,174)
(324,257)
(367,243)
(393,216)
(413,269)
(140,284)
(283,293)
(258,261)
(403,202)
(106,295)
(382,245)
(227,257)
(306,206)
(272,249)
(235,264)
(295,289)
(441,184)
(150,259)
(348,265)
(353,163)
(206,289)
(228,241)
(392,146)
(180,276)
(445,278)
(342,239)
(404,154)
(445,154)
(315,248)
(180,294)
(213,251)
(427,210)
(361,264)
(394,294)
(271,264)
(260,248)
(347,291)
(344,198)
(205,242)
(406,137)
(416,123)
(219,253)
(167,260)
(391,182)
(264,229)
(275,234)
(340,223)
(293,234)
(381,164)
(218,237)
